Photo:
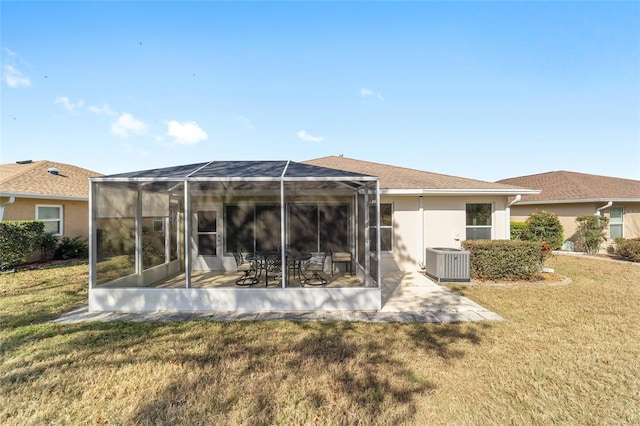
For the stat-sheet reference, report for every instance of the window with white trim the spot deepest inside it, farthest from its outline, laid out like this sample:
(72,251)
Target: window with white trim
(51,215)
(386,227)
(479,223)
(616,222)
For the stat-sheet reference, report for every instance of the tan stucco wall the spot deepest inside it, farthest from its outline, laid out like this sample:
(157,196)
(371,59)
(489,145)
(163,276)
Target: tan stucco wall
(75,214)
(443,225)
(567,214)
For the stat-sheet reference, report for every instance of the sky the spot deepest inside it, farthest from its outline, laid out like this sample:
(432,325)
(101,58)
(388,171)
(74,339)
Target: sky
(482,90)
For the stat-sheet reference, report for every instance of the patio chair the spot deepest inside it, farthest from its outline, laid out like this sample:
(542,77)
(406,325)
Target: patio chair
(273,267)
(313,268)
(248,268)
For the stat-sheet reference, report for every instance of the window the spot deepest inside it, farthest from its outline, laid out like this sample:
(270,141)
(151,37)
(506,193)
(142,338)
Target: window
(478,221)
(250,228)
(386,227)
(207,232)
(311,227)
(51,216)
(616,225)
(319,227)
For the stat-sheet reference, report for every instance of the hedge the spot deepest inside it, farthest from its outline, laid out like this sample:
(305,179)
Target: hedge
(505,260)
(19,239)
(628,249)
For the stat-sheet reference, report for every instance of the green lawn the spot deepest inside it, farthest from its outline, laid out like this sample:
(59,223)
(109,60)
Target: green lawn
(567,355)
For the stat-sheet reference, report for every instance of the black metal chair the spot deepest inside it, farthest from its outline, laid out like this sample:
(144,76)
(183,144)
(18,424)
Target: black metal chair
(313,268)
(248,268)
(273,267)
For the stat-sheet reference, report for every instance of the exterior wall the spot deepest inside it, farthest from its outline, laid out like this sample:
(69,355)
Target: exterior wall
(630,219)
(567,214)
(254,299)
(443,225)
(75,214)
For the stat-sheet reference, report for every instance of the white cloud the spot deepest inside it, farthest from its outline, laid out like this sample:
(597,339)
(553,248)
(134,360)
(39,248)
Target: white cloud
(368,92)
(9,52)
(187,133)
(14,78)
(101,110)
(126,125)
(309,138)
(68,105)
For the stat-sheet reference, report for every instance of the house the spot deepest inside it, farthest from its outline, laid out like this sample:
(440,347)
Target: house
(571,194)
(173,238)
(55,193)
(422,209)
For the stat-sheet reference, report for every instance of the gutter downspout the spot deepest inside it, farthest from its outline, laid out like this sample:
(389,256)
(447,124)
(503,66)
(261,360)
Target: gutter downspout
(6,203)
(421,227)
(606,206)
(507,211)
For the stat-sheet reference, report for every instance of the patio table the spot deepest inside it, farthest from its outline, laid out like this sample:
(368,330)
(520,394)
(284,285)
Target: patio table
(262,259)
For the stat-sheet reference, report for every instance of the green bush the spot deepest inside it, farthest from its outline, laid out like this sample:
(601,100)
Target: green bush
(505,260)
(19,240)
(591,231)
(72,248)
(518,230)
(628,249)
(543,226)
(48,245)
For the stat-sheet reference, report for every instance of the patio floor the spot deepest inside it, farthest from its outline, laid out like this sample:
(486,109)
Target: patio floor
(200,279)
(406,297)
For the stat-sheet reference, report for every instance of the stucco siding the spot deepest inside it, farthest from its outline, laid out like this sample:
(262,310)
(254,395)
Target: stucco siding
(75,214)
(443,224)
(567,214)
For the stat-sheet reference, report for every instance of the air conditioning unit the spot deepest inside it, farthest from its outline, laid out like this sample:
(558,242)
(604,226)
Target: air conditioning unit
(448,264)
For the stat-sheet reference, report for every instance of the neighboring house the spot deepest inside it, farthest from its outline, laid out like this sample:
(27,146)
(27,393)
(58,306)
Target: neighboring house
(55,193)
(169,239)
(571,194)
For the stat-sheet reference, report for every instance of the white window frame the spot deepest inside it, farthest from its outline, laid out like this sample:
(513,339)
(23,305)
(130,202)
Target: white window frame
(60,220)
(621,223)
(372,226)
(490,227)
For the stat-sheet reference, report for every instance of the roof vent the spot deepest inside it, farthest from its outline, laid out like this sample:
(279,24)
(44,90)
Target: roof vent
(53,171)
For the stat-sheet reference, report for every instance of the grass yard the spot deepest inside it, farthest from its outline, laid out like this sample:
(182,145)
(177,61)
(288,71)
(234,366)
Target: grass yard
(567,355)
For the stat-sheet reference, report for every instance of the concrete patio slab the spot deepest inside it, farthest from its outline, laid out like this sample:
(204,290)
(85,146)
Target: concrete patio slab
(406,297)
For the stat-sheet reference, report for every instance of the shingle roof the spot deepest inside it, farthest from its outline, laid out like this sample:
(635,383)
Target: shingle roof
(401,178)
(572,186)
(32,179)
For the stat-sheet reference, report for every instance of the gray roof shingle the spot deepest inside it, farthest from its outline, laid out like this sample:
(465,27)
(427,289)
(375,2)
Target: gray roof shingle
(572,186)
(401,178)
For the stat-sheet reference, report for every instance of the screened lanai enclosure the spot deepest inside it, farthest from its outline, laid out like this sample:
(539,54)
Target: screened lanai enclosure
(235,235)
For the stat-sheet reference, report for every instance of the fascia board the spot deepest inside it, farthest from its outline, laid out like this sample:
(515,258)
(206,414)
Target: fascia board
(43,196)
(582,201)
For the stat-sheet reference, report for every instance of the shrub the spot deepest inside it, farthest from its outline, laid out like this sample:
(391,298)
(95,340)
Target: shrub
(591,229)
(18,240)
(72,248)
(498,260)
(48,245)
(518,230)
(628,249)
(543,226)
